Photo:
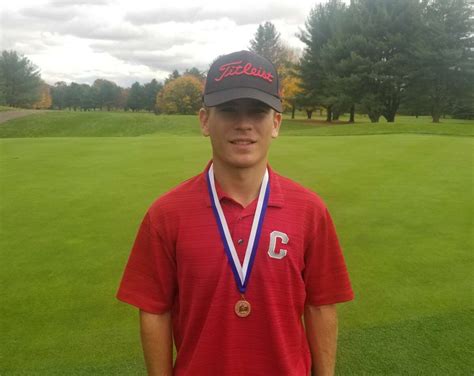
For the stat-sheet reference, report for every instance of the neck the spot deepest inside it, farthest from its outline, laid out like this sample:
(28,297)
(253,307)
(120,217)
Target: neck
(242,184)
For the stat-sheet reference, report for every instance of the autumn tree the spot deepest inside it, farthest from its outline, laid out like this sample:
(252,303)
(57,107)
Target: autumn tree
(289,78)
(181,96)
(291,88)
(20,78)
(45,101)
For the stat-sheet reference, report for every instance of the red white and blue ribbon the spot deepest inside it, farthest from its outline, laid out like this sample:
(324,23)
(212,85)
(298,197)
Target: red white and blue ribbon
(241,272)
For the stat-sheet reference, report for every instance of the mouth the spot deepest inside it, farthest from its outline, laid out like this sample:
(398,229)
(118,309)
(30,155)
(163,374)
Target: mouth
(242,141)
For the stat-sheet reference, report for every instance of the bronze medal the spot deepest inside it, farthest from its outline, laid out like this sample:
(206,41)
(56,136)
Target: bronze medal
(240,270)
(242,308)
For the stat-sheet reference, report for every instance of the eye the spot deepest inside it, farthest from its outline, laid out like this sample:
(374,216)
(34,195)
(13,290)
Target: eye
(259,111)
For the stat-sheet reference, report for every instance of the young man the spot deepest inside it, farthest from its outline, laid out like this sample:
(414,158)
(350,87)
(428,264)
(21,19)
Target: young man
(230,261)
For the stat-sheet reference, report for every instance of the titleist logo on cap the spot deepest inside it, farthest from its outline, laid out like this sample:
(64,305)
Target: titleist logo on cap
(242,75)
(236,68)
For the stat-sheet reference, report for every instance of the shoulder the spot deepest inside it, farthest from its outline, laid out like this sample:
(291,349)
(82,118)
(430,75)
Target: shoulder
(181,198)
(295,193)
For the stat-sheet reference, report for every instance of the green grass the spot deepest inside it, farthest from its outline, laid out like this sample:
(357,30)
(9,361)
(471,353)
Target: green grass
(70,207)
(119,124)
(7,108)
(98,124)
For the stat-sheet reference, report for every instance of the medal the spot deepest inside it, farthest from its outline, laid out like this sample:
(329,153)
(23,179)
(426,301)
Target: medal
(241,272)
(242,308)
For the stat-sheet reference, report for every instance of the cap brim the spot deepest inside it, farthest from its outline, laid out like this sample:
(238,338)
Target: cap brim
(223,96)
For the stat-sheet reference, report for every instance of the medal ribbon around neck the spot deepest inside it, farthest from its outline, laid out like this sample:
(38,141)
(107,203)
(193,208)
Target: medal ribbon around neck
(241,272)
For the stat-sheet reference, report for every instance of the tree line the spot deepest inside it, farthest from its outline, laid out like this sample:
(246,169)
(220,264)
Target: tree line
(376,57)
(385,56)
(21,86)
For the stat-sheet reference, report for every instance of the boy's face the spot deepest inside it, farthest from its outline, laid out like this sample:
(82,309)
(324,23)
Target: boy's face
(241,131)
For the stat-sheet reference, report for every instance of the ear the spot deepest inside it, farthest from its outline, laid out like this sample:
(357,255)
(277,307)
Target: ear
(204,121)
(277,118)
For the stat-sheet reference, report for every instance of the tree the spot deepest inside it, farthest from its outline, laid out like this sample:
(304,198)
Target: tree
(196,73)
(360,54)
(172,76)
(3,99)
(150,91)
(73,96)
(322,25)
(45,100)
(122,98)
(87,97)
(58,95)
(289,78)
(267,43)
(135,97)
(181,96)
(385,32)
(107,93)
(443,58)
(306,102)
(290,88)
(21,80)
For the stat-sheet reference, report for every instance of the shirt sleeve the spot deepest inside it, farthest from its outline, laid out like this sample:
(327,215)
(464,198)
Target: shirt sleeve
(325,274)
(149,279)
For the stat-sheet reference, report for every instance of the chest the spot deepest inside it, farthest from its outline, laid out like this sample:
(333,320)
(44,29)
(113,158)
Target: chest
(201,256)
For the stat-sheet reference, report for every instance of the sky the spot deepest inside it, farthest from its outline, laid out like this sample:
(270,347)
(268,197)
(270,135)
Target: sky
(136,40)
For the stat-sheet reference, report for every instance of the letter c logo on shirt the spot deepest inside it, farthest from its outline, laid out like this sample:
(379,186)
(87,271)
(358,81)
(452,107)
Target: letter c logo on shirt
(271,248)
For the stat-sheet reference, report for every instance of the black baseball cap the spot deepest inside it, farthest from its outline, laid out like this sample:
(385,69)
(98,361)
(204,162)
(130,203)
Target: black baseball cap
(239,75)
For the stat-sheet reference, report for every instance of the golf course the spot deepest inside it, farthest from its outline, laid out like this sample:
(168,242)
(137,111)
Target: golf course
(76,185)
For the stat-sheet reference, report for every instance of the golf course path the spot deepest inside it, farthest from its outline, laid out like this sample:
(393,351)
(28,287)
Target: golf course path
(8,115)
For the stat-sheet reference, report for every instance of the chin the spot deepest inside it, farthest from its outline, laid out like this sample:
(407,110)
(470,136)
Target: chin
(244,162)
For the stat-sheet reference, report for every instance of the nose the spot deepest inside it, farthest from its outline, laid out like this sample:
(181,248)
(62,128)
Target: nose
(243,122)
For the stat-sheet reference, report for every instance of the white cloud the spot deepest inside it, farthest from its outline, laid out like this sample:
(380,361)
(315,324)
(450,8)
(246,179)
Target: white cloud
(240,13)
(83,40)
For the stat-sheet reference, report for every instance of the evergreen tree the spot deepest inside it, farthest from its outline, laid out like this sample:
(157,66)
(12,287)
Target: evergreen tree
(21,80)
(150,91)
(3,99)
(107,93)
(172,76)
(386,32)
(443,57)
(74,93)
(87,97)
(267,43)
(196,73)
(58,94)
(321,26)
(135,100)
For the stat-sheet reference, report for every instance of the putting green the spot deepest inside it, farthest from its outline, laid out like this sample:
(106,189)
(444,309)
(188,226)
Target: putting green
(70,207)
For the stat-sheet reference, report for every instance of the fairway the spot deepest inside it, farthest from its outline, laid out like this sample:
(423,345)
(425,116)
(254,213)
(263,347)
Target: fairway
(74,188)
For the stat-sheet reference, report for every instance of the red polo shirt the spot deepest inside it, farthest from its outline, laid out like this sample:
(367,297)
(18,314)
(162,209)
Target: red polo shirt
(178,263)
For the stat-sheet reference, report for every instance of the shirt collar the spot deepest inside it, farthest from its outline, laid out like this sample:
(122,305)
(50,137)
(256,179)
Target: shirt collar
(276,195)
